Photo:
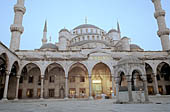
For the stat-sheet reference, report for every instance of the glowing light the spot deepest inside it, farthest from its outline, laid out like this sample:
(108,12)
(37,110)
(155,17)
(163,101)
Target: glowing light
(96,81)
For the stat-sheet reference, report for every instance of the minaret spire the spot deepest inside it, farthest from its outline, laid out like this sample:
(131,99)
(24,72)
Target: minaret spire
(16,28)
(118,27)
(44,39)
(45,26)
(163,31)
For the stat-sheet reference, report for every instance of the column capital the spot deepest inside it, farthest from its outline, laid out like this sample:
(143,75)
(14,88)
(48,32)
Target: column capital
(8,73)
(42,76)
(18,76)
(128,78)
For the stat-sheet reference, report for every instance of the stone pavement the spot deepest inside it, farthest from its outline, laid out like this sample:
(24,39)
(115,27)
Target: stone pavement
(80,106)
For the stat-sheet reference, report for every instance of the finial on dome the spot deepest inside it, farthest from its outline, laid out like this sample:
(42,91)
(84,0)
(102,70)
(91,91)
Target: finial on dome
(85,20)
(50,38)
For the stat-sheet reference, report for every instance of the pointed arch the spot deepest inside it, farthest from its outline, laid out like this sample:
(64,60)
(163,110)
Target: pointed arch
(163,77)
(78,64)
(78,80)
(13,80)
(54,81)
(52,65)
(150,79)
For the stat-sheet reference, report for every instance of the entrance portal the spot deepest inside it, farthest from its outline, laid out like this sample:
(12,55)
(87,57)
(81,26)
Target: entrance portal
(101,81)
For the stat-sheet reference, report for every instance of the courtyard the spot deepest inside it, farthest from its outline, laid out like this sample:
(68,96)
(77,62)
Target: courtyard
(158,104)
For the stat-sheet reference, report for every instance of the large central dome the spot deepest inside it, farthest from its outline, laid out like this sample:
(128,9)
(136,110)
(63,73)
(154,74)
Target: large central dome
(86,26)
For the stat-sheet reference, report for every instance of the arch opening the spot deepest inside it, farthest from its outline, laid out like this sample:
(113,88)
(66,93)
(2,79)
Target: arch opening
(54,86)
(30,82)
(3,69)
(163,78)
(122,82)
(137,81)
(13,81)
(78,81)
(150,79)
(101,81)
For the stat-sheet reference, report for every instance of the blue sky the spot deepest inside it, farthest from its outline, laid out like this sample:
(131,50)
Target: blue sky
(135,17)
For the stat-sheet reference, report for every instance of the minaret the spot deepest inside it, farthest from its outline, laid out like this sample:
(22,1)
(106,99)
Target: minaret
(16,28)
(118,29)
(44,39)
(163,31)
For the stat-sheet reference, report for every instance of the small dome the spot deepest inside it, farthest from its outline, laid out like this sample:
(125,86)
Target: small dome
(135,47)
(112,30)
(63,30)
(129,59)
(49,46)
(86,26)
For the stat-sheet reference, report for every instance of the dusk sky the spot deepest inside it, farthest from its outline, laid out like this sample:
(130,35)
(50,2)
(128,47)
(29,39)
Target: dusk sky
(135,17)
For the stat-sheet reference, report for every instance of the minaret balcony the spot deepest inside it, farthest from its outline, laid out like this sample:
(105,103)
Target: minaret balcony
(19,8)
(163,32)
(159,13)
(15,27)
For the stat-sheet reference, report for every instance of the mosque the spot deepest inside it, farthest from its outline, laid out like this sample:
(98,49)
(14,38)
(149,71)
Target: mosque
(87,62)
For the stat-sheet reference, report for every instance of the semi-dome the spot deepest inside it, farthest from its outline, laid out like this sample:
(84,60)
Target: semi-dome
(112,30)
(129,59)
(135,47)
(64,30)
(86,26)
(49,46)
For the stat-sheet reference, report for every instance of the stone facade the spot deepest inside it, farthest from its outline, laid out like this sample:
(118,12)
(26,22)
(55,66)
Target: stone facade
(87,62)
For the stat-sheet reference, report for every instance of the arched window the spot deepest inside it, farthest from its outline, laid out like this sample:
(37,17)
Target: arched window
(93,37)
(51,79)
(86,30)
(91,30)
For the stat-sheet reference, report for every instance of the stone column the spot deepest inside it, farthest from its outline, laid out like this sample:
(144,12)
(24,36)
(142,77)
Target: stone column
(164,89)
(117,92)
(17,87)
(6,87)
(113,84)
(42,87)
(130,90)
(117,89)
(66,87)
(146,90)
(156,90)
(90,89)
